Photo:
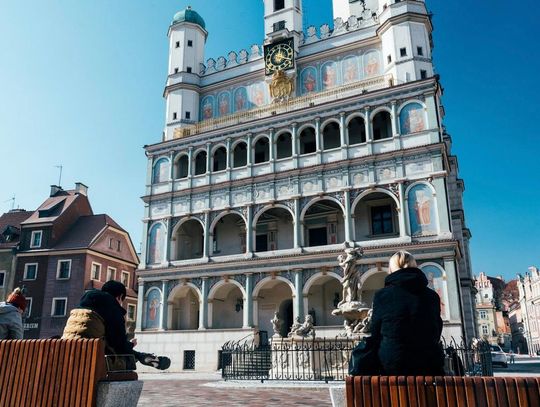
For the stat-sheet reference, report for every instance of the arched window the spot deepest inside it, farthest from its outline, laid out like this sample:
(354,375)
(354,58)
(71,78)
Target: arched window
(411,118)
(240,155)
(284,145)
(182,167)
(262,150)
(382,126)
(200,163)
(357,131)
(160,172)
(331,137)
(308,144)
(220,159)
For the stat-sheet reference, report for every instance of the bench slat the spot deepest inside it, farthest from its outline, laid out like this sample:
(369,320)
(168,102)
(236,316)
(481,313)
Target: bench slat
(533,389)
(411,390)
(366,391)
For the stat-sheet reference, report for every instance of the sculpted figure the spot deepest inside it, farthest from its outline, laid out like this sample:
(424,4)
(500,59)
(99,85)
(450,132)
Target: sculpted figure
(350,280)
(276,324)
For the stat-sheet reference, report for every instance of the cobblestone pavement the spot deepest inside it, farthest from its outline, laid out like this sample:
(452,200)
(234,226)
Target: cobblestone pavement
(169,393)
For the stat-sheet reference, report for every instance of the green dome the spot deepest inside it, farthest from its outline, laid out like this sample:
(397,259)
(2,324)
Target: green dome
(190,16)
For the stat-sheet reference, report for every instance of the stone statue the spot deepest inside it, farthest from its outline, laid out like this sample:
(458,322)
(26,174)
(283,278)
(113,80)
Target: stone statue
(276,324)
(350,277)
(304,330)
(295,326)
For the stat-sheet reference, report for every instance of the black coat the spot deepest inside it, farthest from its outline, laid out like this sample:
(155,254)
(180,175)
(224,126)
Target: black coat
(113,314)
(406,326)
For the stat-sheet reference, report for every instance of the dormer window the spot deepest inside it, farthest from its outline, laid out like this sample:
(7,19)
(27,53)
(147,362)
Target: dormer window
(35,239)
(280,25)
(279,5)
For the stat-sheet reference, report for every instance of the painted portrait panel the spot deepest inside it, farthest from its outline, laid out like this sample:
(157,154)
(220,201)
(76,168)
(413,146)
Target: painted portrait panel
(372,63)
(153,308)
(308,80)
(155,244)
(329,75)
(241,101)
(350,69)
(412,118)
(207,108)
(437,283)
(224,103)
(422,214)
(161,171)
(258,94)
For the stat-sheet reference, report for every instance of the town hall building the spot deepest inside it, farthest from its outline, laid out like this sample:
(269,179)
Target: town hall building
(276,158)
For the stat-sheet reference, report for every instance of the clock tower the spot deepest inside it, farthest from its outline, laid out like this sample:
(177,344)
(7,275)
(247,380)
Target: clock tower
(281,16)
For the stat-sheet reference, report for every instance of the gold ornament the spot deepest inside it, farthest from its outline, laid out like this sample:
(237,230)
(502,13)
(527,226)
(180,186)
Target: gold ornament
(281,86)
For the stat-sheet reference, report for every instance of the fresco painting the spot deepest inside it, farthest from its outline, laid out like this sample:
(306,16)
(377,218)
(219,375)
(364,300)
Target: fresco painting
(207,107)
(372,63)
(224,103)
(350,69)
(422,211)
(258,94)
(153,308)
(240,99)
(437,282)
(161,171)
(329,75)
(308,80)
(155,244)
(411,118)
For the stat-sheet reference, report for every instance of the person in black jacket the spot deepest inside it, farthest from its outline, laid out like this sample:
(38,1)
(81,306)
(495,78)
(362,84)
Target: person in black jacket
(406,326)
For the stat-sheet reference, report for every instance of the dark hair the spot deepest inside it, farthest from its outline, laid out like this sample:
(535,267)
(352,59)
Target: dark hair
(115,288)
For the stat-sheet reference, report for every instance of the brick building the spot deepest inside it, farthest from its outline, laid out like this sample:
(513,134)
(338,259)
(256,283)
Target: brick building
(64,250)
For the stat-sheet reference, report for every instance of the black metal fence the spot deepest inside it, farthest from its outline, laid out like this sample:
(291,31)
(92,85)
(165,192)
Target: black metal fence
(328,359)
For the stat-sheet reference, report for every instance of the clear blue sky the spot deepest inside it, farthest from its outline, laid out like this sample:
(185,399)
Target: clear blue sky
(81,85)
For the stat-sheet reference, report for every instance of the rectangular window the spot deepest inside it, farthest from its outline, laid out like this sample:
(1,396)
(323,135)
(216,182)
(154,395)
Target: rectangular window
(175,116)
(177,44)
(63,270)
(190,43)
(483,314)
(35,239)
(420,51)
(423,74)
(381,220)
(111,273)
(2,278)
(111,242)
(189,69)
(389,58)
(403,52)
(280,25)
(131,312)
(59,306)
(176,70)
(28,310)
(125,278)
(485,330)
(279,5)
(30,271)
(188,115)
(318,236)
(95,271)
(118,245)
(261,243)
(189,360)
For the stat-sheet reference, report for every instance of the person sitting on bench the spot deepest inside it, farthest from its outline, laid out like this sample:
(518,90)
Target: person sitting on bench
(100,315)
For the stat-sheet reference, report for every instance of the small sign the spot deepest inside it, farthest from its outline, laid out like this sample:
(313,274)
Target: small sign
(30,326)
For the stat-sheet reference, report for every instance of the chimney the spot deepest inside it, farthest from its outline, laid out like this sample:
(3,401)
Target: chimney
(80,188)
(55,189)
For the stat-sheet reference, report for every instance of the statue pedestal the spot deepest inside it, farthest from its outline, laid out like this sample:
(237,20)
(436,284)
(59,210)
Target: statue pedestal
(357,319)
(298,358)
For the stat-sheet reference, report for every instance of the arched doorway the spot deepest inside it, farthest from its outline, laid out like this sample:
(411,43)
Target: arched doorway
(274,295)
(323,224)
(227,303)
(323,295)
(373,283)
(184,309)
(274,230)
(229,235)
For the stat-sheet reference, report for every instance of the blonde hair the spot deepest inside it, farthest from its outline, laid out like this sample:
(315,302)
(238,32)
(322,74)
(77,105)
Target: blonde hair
(401,260)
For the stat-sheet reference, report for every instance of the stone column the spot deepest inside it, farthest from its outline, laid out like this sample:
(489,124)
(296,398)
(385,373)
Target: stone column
(249,230)
(249,154)
(166,255)
(248,302)
(347,216)
(140,305)
(298,296)
(206,240)
(369,133)
(229,153)
(203,310)
(452,282)
(402,211)
(342,136)
(190,166)
(208,162)
(297,224)
(171,166)
(164,307)
(318,139)
(395,128)
(271,152)
(295,144)
(144,243)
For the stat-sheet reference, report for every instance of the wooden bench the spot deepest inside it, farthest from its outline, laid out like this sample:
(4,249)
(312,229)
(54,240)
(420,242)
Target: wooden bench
(400,391)
(53,372)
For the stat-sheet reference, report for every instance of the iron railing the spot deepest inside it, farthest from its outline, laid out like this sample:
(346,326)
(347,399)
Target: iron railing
(328,359)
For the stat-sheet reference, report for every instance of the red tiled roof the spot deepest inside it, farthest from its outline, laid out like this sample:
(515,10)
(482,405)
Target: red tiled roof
(14,219)
(83,232)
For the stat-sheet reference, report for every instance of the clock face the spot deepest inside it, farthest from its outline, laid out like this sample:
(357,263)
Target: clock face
(279,56)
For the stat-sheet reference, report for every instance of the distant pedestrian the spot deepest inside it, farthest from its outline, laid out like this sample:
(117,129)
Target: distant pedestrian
(512,356)
(405,328)
(11,326)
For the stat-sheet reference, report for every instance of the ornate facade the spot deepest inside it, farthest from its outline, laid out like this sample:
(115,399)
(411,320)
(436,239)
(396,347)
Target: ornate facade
(258,185)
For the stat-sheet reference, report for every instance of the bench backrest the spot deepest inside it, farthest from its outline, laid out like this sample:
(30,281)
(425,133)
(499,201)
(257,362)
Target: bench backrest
(400,391)
(50,372)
